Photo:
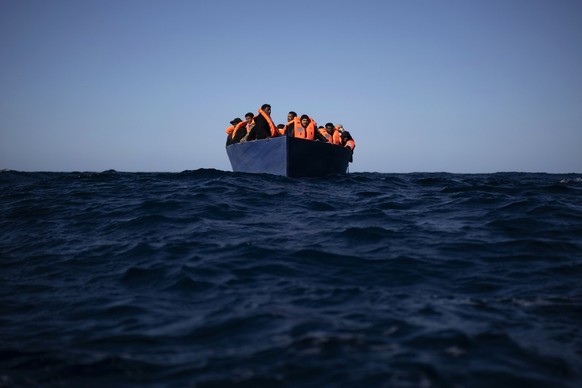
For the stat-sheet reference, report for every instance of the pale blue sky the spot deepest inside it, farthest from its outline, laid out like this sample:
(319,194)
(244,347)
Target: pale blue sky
(134,85)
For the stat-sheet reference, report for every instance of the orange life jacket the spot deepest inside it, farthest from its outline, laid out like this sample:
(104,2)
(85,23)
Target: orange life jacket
(304,133)
(272,126)
(337,137)
(229,130)
(240,125)
(323,132)
(351,144)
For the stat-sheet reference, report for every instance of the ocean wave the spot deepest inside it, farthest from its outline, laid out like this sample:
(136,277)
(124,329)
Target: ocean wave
(212,278)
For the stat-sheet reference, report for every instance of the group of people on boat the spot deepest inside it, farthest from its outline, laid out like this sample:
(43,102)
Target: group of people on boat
(261,126)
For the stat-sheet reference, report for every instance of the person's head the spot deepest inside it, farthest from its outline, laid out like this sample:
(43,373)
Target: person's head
(329,128)
(235,121)
(249,117)
(304,120)
(281,126)
(340,128)
(291,115)
(266,108)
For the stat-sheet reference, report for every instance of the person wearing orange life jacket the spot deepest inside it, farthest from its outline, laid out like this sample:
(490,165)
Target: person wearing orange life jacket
(264,126)
(335,135)
(231,129)
(242,128)
(303,128)
(320,134)
(346,139)
(327,134)
(290,116)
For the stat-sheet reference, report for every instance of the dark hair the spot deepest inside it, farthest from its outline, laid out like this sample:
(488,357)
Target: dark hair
(321,126)
(281,126)
(304,117)
(265,106)
(329,125)
(293,113)
(249,115)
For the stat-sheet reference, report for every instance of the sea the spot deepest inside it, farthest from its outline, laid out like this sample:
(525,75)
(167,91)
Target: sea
(209,278)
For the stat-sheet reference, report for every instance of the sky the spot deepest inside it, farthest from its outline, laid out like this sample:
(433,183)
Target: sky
(455,86)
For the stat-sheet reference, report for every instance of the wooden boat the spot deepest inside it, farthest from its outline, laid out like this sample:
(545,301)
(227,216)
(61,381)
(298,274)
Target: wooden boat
(289,156)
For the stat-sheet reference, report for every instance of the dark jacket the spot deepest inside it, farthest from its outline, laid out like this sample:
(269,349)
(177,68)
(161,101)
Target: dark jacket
(261,130)
(345,137)
(239,134)
(290,129)
(320,136)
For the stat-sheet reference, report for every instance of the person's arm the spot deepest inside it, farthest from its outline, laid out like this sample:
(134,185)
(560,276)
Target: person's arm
(251,133)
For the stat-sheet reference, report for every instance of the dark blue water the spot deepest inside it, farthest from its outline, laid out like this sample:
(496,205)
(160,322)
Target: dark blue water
(211,278)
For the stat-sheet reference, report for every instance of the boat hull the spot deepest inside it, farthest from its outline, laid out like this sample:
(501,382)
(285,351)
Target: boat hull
(289,156)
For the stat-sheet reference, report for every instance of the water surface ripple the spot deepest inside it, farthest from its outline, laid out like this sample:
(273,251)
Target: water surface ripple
(210,278)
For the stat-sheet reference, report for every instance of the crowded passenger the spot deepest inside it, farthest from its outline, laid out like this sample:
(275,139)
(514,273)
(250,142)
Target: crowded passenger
(264,126)
(242,128)
(290,117)
(346,139)
(303,128)
(230,130)
(325,133)
(261,126)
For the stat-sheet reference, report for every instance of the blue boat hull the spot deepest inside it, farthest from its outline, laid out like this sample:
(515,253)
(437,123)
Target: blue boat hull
(289,156)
